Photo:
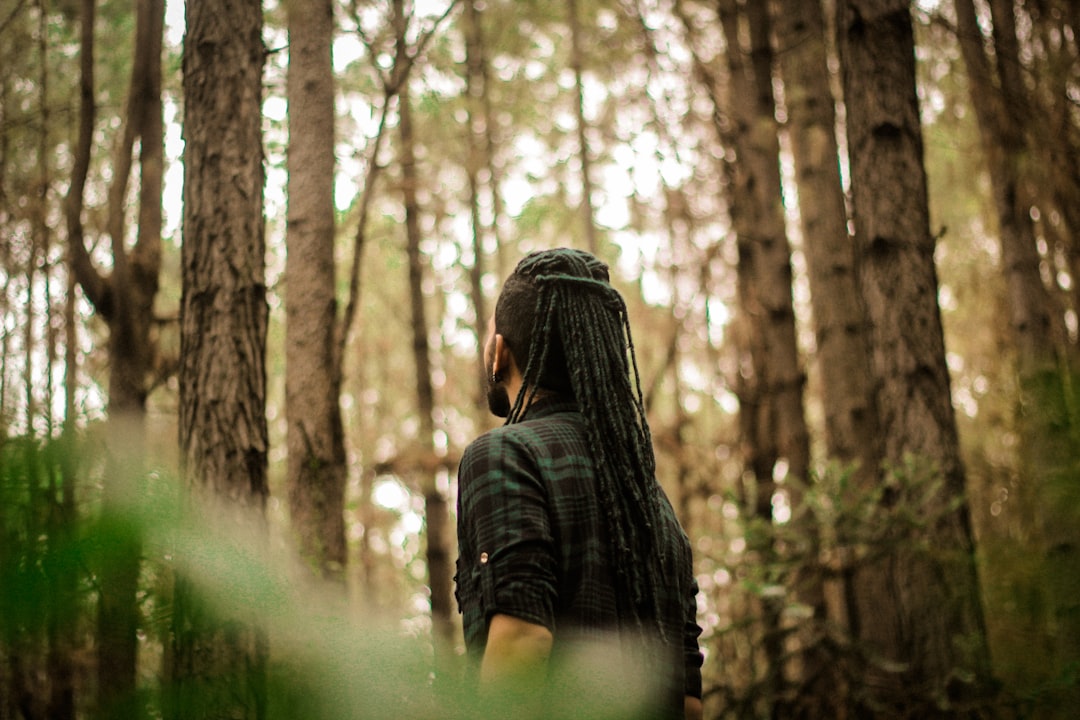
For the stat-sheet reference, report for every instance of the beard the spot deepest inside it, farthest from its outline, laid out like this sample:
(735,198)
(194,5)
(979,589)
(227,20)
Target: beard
(498,398)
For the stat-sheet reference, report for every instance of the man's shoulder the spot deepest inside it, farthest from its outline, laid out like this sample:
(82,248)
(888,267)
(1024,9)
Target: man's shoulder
(531,429)
(537,437)
(495,436)
(495,444)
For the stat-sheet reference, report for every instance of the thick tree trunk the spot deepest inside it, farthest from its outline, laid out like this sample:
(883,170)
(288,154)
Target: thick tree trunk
(785,379)
(840,327)
(219,663)
(916,607)
(733,111)
(771,416)
(315,437)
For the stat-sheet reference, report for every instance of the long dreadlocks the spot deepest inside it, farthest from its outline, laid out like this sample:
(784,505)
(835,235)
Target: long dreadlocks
(568,328)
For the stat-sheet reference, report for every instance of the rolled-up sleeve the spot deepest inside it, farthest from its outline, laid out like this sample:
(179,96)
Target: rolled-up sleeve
(692,657)
(507,559)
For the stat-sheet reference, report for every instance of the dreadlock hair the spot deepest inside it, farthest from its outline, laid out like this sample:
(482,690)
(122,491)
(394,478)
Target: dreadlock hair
(568,328)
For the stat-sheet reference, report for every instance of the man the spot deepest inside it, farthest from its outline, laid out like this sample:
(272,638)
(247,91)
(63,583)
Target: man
(569,550)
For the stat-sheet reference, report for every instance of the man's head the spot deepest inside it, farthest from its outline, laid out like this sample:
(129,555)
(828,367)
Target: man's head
(542,306)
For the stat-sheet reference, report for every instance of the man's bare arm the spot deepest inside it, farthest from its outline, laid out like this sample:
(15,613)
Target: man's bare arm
(516,651)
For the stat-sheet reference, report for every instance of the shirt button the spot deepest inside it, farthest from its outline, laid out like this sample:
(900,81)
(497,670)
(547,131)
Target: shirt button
(483,558)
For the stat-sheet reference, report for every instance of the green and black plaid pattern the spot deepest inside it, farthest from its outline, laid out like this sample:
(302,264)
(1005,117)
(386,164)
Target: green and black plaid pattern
(533,541)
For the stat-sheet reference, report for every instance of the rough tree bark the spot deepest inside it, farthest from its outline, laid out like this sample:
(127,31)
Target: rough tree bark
(916,610)
(839,320)
(315,436)
(772,421)
(758,146)
(218,664)
(838,316)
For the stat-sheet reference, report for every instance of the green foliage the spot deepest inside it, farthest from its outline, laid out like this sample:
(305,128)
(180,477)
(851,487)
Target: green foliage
(37,546)
(1049,427)
(838,523)
(324,662)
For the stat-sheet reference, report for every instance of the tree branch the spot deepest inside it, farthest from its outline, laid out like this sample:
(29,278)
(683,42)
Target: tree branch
(97,289)
(403,62)
(12,15)
(373,168)
(122,161)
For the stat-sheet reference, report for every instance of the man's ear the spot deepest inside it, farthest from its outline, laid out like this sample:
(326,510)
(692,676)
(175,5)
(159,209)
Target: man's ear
(501,361)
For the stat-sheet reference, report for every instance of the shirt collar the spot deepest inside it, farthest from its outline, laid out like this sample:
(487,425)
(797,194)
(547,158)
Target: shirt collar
(549,405)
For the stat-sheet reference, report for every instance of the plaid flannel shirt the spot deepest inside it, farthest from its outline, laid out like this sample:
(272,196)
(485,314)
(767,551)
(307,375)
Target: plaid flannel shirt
(532,537)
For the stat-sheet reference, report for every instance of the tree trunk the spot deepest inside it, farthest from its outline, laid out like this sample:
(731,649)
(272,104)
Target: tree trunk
(219,663)
(62,579)
(490,146)
(916,606)
(1030,305)
(733,112)
(63,633)
(436,508)
(840,327)
(1047,449)
(476,130)
(29,343)
(134,284)
(785,380)
(316,443)
(1056,129)
(774,427)
(588,214)
(125,301)
(42,228)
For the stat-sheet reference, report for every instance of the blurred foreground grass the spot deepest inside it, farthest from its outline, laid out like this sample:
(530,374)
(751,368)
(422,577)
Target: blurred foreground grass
(327,659)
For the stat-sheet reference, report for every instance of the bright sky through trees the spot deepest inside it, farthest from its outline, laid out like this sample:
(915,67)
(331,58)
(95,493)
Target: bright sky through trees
(640,166)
